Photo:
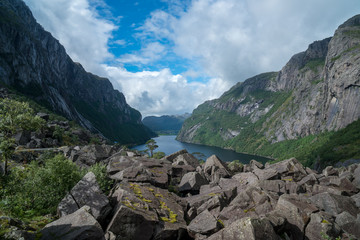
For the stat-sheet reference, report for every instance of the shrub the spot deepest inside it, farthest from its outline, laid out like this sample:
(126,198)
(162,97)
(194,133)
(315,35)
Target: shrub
(102,178)
(36,190)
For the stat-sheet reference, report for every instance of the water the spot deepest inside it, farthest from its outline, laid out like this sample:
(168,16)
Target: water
(169,145)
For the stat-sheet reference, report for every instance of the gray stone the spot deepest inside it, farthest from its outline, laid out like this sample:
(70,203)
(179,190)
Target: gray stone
(349,224)
(330,171)
(297,210)
(322,224)
(356,199)
(205,223)
(86,192)
(80,225)
(215,169)
(246,178)
(255,164)
(191,182)
(247,229)
(266,174)
(335,204)
(186,159)
(290,169)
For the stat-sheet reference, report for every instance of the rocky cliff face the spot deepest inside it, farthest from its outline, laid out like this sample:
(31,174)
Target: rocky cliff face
(36,64)
(317,90)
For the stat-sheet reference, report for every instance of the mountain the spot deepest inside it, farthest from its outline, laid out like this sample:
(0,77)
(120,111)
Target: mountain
(165,124)
(316,93)
(34,63)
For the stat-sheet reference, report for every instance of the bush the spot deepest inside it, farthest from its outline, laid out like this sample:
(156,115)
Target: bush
(36,190)
(105,183)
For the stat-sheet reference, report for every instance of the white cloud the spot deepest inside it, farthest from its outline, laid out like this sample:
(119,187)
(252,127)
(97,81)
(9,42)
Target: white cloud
(235,39)
(150,53)
(161,92)
(78,27)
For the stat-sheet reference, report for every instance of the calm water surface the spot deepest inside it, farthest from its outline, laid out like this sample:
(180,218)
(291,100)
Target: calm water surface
(169,145)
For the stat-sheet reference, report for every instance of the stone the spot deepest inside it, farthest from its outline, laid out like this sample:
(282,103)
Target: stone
(290,169)
(80,225)
(247,229)
(191,182)
(86,192)
(246,178)
(205,223)
(171,157)
(255,164)
(356,199)
(321,224)
(235,166)
(266,174)
(335,204)
(297,210)
(214,169)
(348,223)
(330,171)
(23,137)
(186,159)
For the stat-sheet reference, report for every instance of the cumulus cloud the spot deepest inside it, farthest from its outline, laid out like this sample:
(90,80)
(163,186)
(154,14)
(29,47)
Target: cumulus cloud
(161,92)
(235,39)
(78,27)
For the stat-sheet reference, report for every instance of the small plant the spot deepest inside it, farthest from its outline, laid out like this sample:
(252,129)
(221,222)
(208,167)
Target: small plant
(102,178)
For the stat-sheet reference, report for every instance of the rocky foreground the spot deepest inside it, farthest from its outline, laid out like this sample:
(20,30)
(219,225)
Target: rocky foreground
(177,198)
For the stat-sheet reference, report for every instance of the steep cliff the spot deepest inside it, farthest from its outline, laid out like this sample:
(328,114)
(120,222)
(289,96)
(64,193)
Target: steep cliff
(316,91)
(34,63)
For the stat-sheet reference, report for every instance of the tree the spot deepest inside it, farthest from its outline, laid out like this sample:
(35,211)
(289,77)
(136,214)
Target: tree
(151,145)
(14,117)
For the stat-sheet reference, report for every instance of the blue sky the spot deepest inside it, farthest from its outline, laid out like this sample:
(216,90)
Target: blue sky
(168,56)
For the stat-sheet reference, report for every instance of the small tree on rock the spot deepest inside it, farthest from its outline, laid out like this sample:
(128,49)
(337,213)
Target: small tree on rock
(151,145)
(14,117)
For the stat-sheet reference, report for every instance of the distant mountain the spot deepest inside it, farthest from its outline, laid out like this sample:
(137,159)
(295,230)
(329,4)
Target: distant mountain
(294,111)
(166,124)
(34,63)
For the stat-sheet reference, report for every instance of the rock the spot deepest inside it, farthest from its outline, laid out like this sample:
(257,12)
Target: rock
(205,223)
(290,169)
(330,171)
(191,182)
(44,116)
(210,188)
(186,159)
(247,229)
(348,223)
(356,180)
(255,165)
(91,154)
(80,225)
(322,224)
(141,203)
(266,174)
(171,157)
(132,224)
(297,210)
(86,192)
(335,204)
(177,172)
(356,199)
(23,137)
(214,169)
(246,178)
(251,202)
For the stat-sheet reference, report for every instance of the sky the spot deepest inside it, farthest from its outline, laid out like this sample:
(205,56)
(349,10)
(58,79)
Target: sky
(169,56)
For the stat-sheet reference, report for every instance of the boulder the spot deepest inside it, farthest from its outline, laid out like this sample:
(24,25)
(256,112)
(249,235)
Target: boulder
(290,169)
(246,178)
(335,204)
(235,166)
(171,157)
(349,224)
(44,116)
(186,159)
(356,199)
(86,192)
(330,171)
(266,174)
(80,225)
(247,229)
(205,224)
(138,204)
(214,169)
(321,224)
(297,210)
(255,164)
(23,137)
(191,182)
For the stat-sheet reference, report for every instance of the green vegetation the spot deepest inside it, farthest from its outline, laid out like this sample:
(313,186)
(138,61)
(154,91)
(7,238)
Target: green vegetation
(315,64)
(151,146)
(15,116)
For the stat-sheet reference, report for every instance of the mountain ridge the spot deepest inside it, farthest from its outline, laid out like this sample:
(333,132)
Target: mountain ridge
(314,93)
(34,63)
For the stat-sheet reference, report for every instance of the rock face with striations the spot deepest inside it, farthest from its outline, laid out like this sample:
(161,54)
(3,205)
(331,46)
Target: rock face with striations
(317,90)
(33,62)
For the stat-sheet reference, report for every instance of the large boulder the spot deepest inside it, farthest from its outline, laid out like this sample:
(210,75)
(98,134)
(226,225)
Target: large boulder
(141,204)
(321,224)
(191,182)
(205,224)
(247,229)
(214,169)
(335,204)
(186,159)
(297,210)
(86,192)
(349,224)
(290,169)
(80,225)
